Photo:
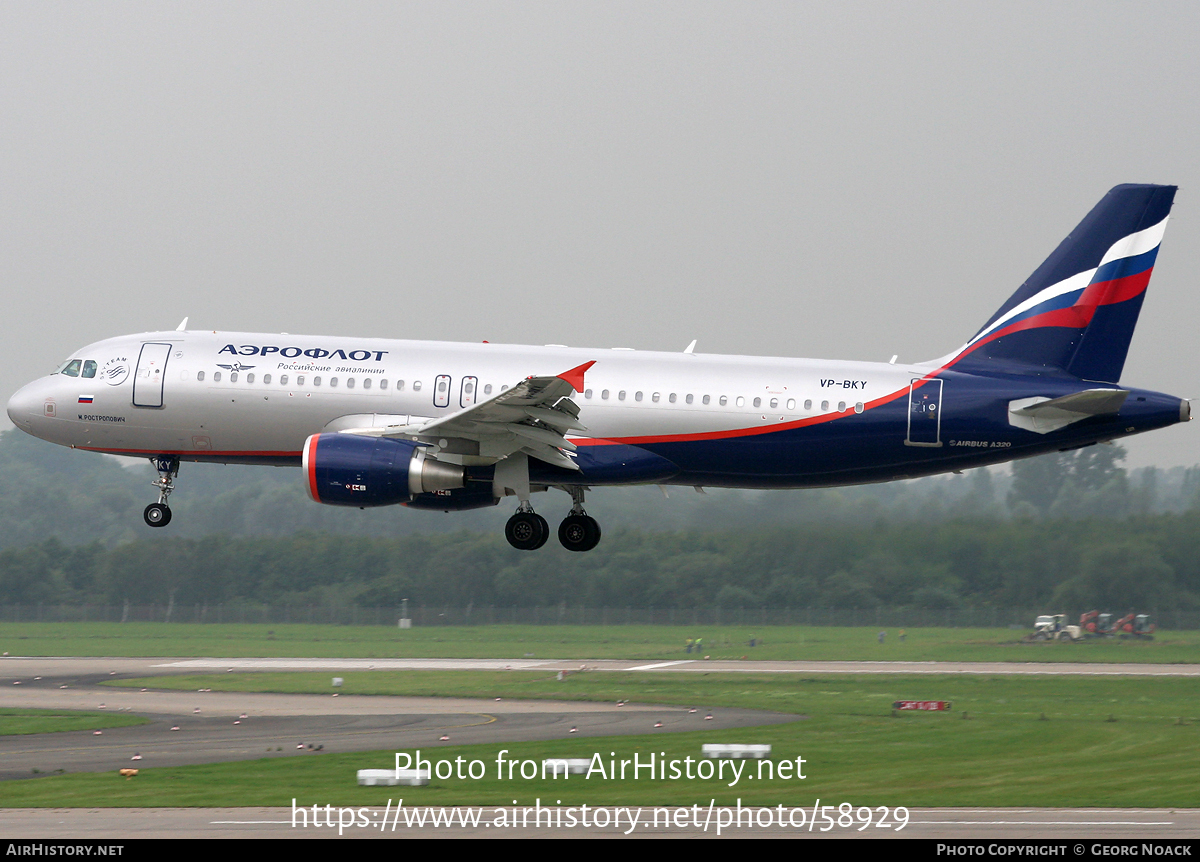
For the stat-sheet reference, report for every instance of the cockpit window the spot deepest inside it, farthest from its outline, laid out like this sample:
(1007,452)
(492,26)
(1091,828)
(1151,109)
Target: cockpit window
(89,368)
(71,369)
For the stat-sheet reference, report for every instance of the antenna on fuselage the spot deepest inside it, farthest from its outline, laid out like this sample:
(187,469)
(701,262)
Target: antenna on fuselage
(182,327)
(690,347)
(892,361)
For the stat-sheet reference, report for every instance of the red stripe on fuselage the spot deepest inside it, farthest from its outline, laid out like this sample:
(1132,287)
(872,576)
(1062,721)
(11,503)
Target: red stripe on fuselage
(745,432)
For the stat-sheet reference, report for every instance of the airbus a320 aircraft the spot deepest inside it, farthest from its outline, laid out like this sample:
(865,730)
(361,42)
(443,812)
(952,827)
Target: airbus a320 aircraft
(436,425)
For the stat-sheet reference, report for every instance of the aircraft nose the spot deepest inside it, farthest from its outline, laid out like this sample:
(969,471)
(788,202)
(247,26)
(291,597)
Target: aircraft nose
(24,405)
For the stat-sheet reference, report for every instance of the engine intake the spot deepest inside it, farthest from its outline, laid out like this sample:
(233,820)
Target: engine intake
(351,470)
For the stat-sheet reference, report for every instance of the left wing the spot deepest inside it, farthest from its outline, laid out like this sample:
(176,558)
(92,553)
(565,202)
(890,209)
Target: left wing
(532,417)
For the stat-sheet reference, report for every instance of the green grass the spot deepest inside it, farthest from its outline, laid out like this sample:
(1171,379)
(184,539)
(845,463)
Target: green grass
(573,642)
(1003,754)
(23,721)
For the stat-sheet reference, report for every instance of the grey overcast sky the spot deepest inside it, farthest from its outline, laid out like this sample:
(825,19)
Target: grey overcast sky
(843,180)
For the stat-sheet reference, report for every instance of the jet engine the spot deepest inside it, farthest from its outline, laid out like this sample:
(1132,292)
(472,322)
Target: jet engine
(352,470)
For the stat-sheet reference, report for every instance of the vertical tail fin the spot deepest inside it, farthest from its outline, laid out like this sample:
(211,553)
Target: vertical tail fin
(1077,312)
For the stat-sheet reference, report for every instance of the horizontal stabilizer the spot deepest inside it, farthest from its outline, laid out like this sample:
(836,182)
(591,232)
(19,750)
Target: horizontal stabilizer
(1043,415)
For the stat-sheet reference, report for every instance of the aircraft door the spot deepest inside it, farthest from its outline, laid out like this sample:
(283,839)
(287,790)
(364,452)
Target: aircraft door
(441,391)
(470,386)
(924,412)
(151,371)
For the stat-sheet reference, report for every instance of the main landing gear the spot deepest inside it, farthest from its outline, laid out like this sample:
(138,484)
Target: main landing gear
(159,514)
(528,531)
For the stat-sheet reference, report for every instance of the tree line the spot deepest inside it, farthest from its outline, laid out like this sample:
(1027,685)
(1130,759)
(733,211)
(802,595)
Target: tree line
(1151,563)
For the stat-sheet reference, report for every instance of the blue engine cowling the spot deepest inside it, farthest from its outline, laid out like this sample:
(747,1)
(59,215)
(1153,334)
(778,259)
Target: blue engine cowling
(351,470)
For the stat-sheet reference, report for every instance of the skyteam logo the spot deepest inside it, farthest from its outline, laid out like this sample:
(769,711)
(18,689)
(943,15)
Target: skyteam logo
(115,371)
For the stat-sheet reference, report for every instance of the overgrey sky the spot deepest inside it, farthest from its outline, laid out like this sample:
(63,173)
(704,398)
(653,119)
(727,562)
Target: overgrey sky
(842,180)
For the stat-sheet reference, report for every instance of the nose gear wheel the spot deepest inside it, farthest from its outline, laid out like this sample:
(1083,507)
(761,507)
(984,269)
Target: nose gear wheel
(157,515)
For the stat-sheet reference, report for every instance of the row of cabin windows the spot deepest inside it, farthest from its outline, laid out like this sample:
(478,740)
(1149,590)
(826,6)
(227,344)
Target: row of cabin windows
(443,385)
(302,379)
(723,401)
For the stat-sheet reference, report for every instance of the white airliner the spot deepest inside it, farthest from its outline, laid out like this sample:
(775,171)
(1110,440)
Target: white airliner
(450,426)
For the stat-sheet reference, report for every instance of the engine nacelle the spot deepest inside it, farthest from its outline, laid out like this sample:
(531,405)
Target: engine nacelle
(352,470)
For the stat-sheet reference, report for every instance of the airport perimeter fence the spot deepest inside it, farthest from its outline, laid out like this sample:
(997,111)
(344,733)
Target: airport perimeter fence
(422,616)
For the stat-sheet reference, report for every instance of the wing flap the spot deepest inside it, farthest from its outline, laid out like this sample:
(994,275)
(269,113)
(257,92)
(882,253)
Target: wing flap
(533,417)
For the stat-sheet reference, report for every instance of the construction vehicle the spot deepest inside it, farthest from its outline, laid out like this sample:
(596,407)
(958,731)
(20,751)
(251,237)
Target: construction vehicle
(1135,626)
(1053,627)
(1097,625)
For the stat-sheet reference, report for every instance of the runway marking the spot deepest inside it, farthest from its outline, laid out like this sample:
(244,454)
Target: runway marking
(661,664)
(358,664)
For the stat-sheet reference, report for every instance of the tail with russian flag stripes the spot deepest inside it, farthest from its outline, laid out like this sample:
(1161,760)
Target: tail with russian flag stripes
(1077,312)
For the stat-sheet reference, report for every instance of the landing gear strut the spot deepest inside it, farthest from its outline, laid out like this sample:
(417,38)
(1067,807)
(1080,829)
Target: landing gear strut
(578,531)
(159,514)
(526,530)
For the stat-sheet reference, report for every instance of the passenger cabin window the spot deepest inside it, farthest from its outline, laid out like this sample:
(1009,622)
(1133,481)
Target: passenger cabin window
(316,381)
(333,381)
(741,401)
(267,378)
(724,400)
(71,369)
(808,404)
(200,376)
(89,368)
(859,408)
(216,377)
(774,403)
(637,396)
(250,377)
(791,405)
(349,383)
(758,402)
(487,390)
(841,407)
(233,376)
(705,399)
(417,385)
(604,395)
(689,399)
(283,379)
(587,393)
(367,383)
(383,384)
(299,379)
(621,395)
(655,397)
(824,406)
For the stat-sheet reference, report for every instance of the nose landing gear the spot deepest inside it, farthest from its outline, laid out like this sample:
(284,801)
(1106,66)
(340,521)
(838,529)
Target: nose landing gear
(159,514)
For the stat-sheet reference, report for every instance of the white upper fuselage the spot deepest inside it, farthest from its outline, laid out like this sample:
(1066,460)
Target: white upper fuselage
(256,397)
